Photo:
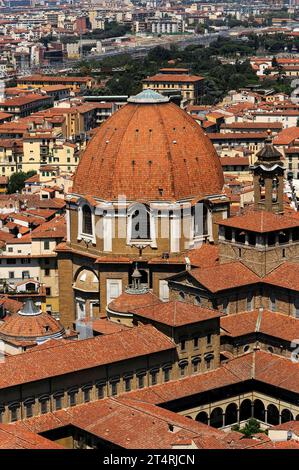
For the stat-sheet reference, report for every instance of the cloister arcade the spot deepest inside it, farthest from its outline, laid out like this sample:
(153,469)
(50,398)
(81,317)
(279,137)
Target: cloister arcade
(226,413)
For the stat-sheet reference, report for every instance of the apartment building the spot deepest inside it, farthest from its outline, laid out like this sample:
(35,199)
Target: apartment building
(171,80)
(75,84)
(28,262)
(22,106)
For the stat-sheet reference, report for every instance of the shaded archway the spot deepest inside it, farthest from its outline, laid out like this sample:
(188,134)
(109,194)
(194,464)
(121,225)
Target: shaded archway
(231,414)
(259,410)
(202,417)
(286,415)
(245,410)
(272,414)
(216,418)
(297,418)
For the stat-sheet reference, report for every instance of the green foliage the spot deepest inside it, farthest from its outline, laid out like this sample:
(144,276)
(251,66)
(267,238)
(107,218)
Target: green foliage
(251,427)
(224,65)
(17,181)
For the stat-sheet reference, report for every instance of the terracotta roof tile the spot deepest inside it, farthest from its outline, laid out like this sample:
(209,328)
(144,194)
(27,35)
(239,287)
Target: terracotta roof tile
(260,221)
(149,152)
(176,313)
(127,302)
(224,276)
(275,324)
(85,354)
(286,275)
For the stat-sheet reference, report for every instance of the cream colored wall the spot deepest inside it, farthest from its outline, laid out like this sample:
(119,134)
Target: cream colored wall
(7,168)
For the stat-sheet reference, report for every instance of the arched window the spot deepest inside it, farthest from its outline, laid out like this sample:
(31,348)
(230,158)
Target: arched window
(259,410)
(86,220)
(231,414)
(245,410)
(200,218)
(262,187)
(272,415)
(202,417)
(141,228)
(209,360)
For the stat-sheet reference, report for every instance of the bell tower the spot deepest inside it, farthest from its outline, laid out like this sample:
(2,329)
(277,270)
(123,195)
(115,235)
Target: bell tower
(268,173)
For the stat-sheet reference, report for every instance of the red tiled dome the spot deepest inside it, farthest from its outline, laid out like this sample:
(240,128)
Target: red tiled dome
(149,150)
(29,327)
(129,301)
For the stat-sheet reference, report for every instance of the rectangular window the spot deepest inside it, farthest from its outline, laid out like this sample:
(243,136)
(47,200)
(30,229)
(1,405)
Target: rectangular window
(128,384)
(183,368)
(166,375)
(47,272)
(25,261)
(25,275)
(114,388)
(196,342)
(46,245)
(10,249)
(13,414)
(86,395)
(140,381)
(11,274)
(44,406)
(154,376)
(11,261)
(101,389)
(29,410)
(72,398)
(272,302)
(48,291)
(58,403)
(183,345)
(209,338)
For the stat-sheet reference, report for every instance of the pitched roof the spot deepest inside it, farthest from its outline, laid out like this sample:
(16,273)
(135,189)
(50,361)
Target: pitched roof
(73,356)
(224,276)
(286,275)
(259,365)
(177,313)
(286,136)
(275,324)
(171,77)
(55,228)
(252,125)
(22,438)
(260,221)
(116,420)
(240,161)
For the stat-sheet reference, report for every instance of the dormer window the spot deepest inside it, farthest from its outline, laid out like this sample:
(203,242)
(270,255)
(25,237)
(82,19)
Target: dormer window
(86,220)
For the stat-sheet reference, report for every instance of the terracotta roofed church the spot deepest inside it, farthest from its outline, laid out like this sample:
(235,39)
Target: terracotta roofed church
(145,164)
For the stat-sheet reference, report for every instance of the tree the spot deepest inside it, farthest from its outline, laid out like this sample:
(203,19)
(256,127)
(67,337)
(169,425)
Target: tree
(159,54)
(17,181)
(251,427)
